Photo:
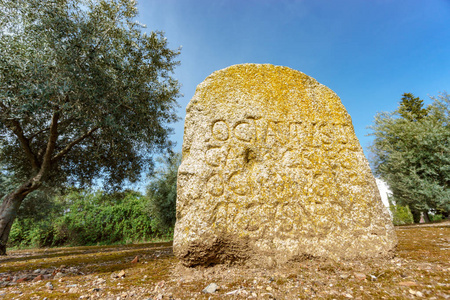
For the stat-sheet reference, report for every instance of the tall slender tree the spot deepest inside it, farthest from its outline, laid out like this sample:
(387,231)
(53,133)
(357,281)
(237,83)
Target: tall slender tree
(162,192)
(84,94)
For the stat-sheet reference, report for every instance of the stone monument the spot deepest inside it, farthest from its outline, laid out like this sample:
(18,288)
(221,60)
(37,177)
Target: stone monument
(272,171)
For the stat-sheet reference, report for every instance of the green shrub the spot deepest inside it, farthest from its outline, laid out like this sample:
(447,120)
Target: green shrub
(401,215)
(87,218)
(19,235)
(33,226)
(436,217)
(93,218)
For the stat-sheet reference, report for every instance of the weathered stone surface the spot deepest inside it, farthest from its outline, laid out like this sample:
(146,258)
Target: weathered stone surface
(272,171)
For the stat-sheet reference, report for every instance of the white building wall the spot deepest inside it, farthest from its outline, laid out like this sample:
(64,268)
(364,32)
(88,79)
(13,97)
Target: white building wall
(385,192)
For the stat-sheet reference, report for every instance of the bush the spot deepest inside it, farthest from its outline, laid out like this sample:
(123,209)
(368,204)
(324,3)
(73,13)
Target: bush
(436,218)
(86,218)
(401,215)
(33,226)
(93,218)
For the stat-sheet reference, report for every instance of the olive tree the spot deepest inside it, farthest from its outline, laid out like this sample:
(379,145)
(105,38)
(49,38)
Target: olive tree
(85,94)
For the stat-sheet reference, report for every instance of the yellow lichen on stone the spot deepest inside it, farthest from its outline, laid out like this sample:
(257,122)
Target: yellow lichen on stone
(271,165)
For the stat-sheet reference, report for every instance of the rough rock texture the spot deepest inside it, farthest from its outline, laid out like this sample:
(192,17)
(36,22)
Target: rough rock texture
(272,171)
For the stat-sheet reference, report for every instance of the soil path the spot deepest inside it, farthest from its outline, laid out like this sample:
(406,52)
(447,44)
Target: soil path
(420,269)
(440,224)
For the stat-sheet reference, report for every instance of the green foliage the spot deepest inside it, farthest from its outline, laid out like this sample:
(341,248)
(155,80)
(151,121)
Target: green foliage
(436,218)
(85,218)
(401,215)
(8,181)
(413,156)
(91,218)
(162,193)
(34,226)
(4,182)
(411,108)
(29,233)
(84,93)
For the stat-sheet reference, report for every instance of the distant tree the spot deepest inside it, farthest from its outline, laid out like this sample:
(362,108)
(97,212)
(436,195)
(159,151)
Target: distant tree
(411,108)
(84,94)
(412,154)
(162,193)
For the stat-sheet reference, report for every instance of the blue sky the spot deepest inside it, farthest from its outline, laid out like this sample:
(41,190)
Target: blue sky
(369,52)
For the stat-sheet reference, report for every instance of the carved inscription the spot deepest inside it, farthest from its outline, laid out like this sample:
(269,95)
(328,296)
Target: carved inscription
(243,156)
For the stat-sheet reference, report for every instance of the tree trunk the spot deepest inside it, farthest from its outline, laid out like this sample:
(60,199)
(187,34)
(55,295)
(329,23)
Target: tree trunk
(426,217)
(12,202)
(9,209)
(416,215)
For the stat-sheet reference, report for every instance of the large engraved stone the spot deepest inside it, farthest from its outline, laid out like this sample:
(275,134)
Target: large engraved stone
(272,171)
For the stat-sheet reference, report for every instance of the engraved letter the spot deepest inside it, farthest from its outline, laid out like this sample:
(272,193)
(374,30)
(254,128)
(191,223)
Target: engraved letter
(216,156)
(275,133)
(238,184)
(243,131)
(294,132)
(220,131)
(215,185)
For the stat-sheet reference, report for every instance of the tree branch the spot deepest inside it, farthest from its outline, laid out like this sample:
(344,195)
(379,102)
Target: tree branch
(53,136)
(73,143)
(15,127)
(32,136)
(3,106)
(61,124)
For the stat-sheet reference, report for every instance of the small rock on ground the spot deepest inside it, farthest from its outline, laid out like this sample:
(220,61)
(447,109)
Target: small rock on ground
(211,288)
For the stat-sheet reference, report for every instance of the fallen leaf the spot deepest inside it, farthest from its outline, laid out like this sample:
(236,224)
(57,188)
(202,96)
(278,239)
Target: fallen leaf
(38,278)
(408,283)
(121,274)
(359,276)
(348,296)
(135,260)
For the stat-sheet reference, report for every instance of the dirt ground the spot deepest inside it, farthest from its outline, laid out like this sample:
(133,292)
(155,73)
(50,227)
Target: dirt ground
(420,269)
